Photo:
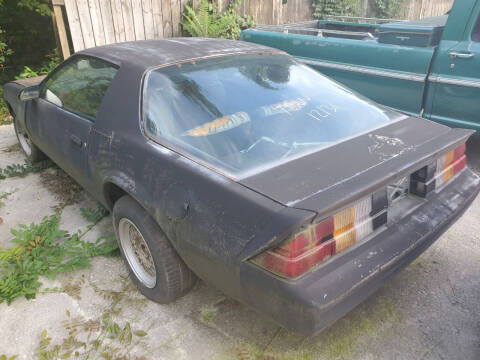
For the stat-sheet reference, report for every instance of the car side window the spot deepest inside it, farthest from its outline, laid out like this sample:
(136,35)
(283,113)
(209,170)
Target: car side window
(80,85)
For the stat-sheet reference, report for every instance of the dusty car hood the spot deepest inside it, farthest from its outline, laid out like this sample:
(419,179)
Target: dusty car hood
(331,177)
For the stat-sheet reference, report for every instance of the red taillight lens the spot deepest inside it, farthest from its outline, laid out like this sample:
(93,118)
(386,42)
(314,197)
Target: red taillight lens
(323,239)
(435,175)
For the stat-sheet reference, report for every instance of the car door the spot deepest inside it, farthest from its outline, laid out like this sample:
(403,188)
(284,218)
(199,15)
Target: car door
(62,118)
(455,79)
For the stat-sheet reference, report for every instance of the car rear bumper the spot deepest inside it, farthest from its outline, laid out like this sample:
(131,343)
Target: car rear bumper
(314,301)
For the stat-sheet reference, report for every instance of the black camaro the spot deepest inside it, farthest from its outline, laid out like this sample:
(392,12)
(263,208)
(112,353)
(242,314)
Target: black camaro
(232,162)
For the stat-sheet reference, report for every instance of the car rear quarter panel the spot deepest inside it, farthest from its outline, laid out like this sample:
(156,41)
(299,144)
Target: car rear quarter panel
(208,218)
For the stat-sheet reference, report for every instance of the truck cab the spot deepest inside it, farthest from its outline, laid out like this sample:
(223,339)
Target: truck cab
(427,67)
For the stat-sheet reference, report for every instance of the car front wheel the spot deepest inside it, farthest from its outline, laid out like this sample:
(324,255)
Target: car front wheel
(31,151)
(154,265)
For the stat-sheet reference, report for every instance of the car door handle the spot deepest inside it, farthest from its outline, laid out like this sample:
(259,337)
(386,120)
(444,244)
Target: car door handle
(76,140)
(459,55)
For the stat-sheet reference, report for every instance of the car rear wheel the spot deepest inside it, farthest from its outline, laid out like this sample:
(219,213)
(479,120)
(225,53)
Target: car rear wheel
(154,265)
(31,151)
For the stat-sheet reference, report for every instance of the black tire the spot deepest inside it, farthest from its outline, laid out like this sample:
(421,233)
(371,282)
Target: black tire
(29,149)
(173,278)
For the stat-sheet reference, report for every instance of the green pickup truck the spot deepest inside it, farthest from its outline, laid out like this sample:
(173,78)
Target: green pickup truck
(428,67)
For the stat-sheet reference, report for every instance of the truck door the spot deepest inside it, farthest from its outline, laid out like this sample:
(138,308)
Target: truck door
(62,118)
(455,80)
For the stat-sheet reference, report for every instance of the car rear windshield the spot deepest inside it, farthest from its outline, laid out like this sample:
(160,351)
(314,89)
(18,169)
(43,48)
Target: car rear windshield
(241,114)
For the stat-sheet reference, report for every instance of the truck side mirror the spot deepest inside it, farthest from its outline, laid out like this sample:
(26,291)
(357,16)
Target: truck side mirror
(30,93)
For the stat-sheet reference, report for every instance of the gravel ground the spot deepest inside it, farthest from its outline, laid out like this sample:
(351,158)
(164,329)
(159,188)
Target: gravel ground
(431,310)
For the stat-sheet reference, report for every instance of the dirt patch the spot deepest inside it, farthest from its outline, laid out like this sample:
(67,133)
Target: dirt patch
(12,148)
(65,189)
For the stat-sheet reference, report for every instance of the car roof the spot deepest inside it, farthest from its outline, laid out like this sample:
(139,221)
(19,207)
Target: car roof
(151,53)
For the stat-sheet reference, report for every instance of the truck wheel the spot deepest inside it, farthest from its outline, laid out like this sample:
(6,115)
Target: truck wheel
(154,265)
(31,151)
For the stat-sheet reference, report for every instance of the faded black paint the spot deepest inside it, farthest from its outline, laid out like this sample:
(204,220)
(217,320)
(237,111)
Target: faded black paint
(216,223)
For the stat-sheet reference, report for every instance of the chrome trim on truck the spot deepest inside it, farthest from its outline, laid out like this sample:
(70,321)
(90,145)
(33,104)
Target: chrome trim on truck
(450,81)
(364,70)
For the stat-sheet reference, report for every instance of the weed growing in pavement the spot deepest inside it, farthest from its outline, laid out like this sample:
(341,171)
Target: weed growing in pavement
(44,249)
(94,215)
(5,120)
(112,341)
(3,197)
(102,337)
(5,357)
(22,170)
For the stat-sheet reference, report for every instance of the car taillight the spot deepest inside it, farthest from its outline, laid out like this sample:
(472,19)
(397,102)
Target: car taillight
(438,173)
(328,237)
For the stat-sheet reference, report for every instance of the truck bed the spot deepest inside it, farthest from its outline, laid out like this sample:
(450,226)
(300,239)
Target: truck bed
(419,33)
(387,61)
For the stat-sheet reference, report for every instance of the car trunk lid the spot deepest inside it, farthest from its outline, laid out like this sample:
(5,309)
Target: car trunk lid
(333,177)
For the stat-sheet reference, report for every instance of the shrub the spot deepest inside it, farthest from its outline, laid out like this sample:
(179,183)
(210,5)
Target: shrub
(51,63)
(206,21)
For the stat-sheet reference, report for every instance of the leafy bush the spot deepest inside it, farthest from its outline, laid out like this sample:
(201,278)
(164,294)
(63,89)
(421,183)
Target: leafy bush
(28,32)
(323,8)
(41,7)
(4,50)
(206,21)
(51,63)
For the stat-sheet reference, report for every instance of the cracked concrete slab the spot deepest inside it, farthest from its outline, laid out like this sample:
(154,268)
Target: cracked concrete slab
(428,311)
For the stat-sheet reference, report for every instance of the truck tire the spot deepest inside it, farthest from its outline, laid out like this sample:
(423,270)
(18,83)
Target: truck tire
(31,151)
(154,265)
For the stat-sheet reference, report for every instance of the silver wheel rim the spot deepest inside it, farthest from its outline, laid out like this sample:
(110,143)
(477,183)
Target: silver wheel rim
(25,143)
(137,253)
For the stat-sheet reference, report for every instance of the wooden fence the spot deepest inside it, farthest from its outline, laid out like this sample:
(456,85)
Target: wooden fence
(419,9)
(99,22)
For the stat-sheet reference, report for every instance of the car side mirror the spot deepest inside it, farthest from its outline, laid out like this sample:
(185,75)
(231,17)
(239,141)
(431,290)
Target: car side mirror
(30,93)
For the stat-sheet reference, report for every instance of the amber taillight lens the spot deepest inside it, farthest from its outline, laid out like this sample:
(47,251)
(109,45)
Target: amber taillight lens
(323,239)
